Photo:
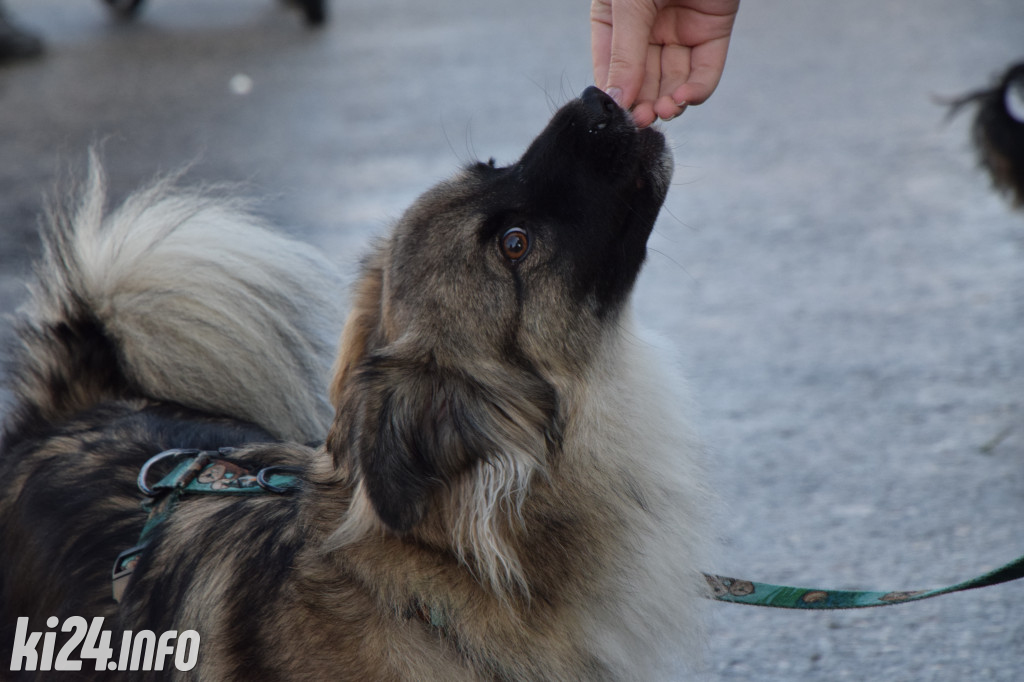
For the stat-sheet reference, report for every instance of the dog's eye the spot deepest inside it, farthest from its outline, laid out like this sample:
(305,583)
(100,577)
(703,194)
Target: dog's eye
(515,243)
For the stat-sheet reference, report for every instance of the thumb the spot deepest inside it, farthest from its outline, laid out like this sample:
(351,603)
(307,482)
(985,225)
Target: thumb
(631,30)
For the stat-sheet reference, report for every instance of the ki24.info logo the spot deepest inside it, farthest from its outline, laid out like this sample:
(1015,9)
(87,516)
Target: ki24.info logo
(142,650)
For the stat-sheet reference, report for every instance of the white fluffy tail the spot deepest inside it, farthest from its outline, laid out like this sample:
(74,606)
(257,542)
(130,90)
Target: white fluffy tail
(198,302)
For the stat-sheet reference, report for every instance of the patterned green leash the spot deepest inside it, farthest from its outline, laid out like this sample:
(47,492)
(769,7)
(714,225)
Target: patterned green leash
(783,597)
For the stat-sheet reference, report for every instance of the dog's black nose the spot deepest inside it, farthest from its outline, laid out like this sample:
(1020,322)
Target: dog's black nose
(599,108)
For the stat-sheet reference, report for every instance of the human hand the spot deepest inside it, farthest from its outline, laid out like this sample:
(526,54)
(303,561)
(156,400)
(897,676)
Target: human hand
(658,56)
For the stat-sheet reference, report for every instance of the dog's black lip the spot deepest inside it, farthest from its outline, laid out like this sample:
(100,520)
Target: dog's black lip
(640,157)
(651,145)
(653,165)
(651,141)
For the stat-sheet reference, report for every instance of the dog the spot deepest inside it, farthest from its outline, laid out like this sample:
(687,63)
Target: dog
(495,475)
(997,131)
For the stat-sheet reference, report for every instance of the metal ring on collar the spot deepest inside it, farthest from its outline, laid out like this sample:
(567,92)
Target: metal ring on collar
(261,477)
(144,472)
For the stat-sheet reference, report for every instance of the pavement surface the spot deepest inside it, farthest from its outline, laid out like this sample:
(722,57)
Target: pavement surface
(843,285)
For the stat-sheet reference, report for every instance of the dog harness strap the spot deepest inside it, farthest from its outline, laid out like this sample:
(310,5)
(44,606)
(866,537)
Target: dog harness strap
(783,597)
(202,472)
(214,472)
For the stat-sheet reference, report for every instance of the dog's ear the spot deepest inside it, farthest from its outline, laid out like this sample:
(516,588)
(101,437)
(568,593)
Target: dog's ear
(410,426)
(363,322)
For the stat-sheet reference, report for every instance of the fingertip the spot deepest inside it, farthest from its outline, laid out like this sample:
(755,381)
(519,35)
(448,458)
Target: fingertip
(666,109)
(690,96)
(616,94)
(643,114)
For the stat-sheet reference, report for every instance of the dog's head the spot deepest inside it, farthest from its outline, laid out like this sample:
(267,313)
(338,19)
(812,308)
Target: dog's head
(492,286)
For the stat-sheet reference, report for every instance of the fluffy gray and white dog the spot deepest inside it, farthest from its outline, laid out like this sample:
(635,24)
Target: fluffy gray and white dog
(506,487)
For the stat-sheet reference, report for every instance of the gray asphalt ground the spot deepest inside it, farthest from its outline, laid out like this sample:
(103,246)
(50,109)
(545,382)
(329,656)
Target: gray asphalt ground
(844,287)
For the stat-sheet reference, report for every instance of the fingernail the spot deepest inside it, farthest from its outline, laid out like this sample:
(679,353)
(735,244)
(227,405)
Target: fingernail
(615,94)
(682,104)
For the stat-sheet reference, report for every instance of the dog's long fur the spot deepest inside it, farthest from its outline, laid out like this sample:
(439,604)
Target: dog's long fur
(508,487)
